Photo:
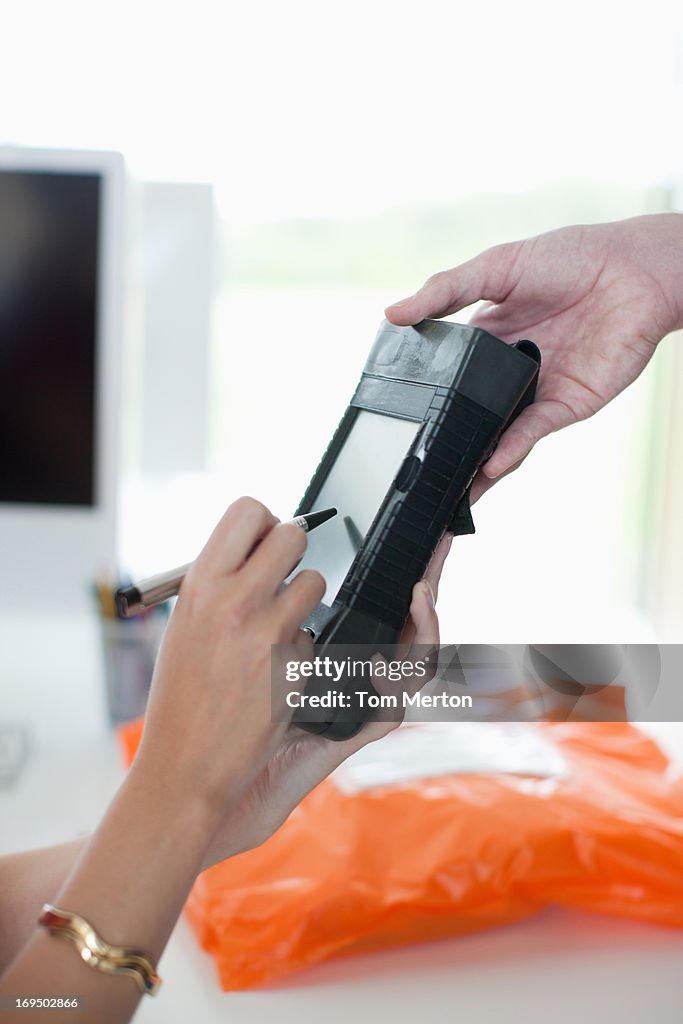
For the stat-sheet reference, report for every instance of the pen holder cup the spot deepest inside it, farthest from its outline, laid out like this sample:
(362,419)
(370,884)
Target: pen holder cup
(129,648)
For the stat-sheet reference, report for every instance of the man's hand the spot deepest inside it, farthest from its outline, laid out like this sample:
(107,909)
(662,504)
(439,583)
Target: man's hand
(595,299)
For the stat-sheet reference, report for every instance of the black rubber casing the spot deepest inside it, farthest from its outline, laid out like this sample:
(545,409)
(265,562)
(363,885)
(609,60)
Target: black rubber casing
(464,386)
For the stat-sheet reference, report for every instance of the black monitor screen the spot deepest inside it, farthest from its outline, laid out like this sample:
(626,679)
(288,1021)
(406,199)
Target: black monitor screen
(49,228)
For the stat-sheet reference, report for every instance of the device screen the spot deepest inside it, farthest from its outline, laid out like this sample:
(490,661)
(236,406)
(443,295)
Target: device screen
(356,485)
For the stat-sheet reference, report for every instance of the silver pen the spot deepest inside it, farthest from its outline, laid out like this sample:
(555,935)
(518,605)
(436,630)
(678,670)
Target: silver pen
(138,597)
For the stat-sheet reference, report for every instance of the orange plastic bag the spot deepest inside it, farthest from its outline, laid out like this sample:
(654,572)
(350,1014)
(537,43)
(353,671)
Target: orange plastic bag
(426,858)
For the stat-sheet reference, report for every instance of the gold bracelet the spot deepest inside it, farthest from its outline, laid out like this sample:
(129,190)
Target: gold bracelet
(99,954)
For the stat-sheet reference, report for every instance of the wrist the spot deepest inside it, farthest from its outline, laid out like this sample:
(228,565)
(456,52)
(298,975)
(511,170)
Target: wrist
(674,278)
(135,873)
(658,251)
(215,832)
(165,800)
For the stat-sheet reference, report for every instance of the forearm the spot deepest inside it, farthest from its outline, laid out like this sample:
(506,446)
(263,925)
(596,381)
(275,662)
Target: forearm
(130,883)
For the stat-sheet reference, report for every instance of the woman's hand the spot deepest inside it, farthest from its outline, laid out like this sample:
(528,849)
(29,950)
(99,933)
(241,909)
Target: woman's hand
(216,772)
(302,760)
(595,299)
(210,728)
(209,732)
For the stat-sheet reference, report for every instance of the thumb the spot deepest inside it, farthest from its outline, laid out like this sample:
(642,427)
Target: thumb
(484,277)
(423,615)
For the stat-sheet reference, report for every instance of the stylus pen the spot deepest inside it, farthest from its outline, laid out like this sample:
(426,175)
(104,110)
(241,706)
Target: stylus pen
(137,597)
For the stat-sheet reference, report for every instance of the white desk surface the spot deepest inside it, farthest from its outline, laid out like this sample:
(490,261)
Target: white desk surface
(558,966)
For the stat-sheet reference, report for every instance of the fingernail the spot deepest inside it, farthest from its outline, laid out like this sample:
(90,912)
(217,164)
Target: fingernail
(430,593)
(397,305)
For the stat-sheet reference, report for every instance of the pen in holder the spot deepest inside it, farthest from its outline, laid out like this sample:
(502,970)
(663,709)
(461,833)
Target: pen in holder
(129,650)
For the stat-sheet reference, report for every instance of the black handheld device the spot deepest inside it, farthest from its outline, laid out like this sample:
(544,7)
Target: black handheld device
(429,409)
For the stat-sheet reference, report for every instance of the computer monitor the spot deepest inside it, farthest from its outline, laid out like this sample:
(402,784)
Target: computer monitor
(61,311)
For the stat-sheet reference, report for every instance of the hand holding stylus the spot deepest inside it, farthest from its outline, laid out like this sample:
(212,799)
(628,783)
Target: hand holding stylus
(216,773)
(302,760)
(211,696)
(209,733)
